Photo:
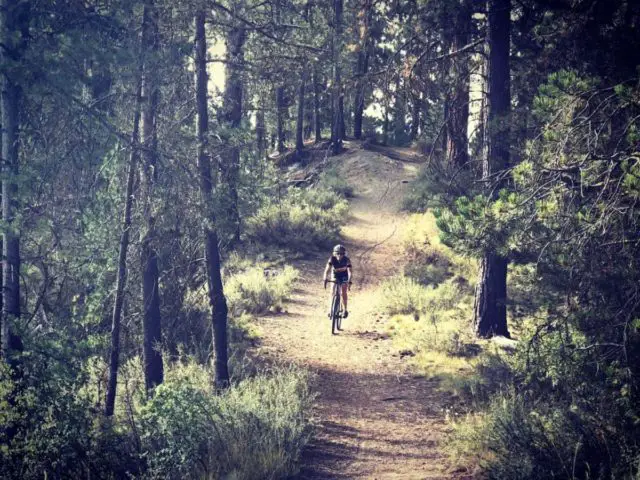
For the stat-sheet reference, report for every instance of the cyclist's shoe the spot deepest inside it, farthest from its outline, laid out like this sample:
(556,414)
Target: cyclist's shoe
(345,314)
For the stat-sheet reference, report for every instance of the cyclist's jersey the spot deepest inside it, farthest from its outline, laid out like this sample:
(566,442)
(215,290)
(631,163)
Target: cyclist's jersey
(339,267)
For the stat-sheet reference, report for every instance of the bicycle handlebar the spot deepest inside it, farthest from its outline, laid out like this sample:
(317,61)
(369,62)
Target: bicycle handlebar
(337,282)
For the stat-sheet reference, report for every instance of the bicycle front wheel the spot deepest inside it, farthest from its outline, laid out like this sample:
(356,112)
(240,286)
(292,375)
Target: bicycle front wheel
(335,314)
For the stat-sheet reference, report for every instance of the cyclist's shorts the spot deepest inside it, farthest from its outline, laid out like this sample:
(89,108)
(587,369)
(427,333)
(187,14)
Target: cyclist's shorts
(341,278)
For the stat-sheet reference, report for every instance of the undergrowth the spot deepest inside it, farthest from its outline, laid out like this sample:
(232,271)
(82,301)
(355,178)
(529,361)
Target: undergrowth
(332,180)
(256,429)
(300,220)
(258,290)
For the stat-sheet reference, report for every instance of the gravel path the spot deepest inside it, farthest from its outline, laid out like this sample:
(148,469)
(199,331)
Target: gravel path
(376,419)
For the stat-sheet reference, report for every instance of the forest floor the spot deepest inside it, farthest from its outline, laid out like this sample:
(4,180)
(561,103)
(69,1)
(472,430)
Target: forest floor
(376,418)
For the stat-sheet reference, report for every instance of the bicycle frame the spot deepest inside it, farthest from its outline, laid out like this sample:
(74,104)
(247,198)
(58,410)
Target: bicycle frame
(336,306)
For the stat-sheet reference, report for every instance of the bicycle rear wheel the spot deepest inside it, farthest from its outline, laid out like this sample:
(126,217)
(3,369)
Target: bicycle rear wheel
(335,313)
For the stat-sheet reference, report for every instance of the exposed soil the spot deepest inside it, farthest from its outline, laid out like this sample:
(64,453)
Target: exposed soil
(376,418)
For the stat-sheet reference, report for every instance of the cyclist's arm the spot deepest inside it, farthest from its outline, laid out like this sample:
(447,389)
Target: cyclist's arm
(349,273)
(326,271)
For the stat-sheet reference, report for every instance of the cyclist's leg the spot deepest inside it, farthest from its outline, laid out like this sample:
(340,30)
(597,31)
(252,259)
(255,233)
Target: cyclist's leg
(344,295)
(333,292)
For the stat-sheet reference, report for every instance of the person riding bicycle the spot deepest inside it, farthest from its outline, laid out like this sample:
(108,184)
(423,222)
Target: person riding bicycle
(340,267)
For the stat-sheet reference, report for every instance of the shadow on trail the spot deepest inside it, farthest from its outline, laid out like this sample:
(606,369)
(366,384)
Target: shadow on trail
(359,416)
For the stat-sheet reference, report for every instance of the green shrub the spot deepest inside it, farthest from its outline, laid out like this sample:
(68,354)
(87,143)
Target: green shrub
(331,180)
(552,412)
(258,291)
(49,428)
(429,262)
(518,439)
(251,288)
(302,219)
(256,429)
(438,184)
(402,295)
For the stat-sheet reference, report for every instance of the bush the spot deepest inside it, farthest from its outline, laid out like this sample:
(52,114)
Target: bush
(438,184)
(256,429)
(402,295)
(429,261)
(251,288)
(258,291)
(303,219)
(518,439)
(552,412)
(48,429)
(331,180)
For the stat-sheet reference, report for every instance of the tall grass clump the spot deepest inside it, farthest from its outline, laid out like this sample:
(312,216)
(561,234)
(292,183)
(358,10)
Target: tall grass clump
(256,429)
(438,183)
(332,180)
(50,427)
(553,413)
(298,221)
(429,261)
(257,290)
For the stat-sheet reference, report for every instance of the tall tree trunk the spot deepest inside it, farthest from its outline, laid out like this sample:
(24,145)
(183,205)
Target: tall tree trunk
(385,126)
(337,130)
(280,117)
(217,300)
(364,29)
(358,107)
(316,104)
(415,116)
(13,35)
(152,319)
(399,113)
(300,119)
(363,62)
(490,313)
(114,357)
(260,131)
(458,112)
(232,117)
(342,126)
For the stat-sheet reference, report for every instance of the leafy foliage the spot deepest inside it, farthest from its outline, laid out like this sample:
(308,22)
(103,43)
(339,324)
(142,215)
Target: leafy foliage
(302,219)
(255,430)
(258,290)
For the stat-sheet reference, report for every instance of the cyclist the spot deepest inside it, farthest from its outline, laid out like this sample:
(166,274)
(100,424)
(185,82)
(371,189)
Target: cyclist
(340,266)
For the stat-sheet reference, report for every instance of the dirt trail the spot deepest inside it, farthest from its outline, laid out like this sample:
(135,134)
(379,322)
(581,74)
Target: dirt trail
(377,420)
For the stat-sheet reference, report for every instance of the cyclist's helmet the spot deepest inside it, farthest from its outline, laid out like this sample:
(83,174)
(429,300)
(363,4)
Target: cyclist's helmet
(339,249)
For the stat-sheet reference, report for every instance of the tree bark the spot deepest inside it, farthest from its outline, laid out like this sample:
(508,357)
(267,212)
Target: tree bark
(359,100)
(232,117)
(152,319)
(114,357)
(490,308)
(337,130)
(300,119)
(490,313)
(458,101)
(217,300)
(364,17)
(415,117)
(385,126)
(260,132)
(317,121)
(280,117)
(13,24)
(399,113)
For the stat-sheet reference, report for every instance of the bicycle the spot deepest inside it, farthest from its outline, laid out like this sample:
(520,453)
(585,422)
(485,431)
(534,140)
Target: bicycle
(336,306)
